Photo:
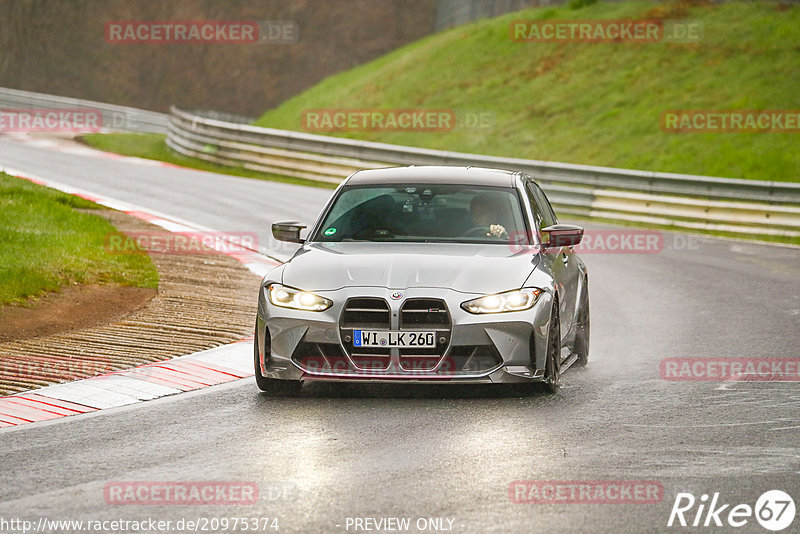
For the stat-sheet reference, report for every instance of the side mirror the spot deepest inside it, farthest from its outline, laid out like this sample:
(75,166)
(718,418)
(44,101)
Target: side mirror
(561,235)
(288,231)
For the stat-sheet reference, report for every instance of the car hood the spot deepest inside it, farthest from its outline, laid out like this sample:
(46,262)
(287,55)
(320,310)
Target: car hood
(468,268)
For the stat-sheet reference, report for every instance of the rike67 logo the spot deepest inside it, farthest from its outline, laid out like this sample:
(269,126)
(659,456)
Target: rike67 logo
(774,510)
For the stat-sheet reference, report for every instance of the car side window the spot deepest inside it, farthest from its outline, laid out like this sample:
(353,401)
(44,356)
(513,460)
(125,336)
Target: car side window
(537,214)
(546,216)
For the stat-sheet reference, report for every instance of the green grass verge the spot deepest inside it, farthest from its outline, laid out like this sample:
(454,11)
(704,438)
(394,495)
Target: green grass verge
(590,103)
(152,146)
(47,243)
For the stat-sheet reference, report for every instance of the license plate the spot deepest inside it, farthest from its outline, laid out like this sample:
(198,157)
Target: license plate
(393,339)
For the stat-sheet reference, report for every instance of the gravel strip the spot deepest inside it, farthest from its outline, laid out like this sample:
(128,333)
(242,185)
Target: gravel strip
(203,301)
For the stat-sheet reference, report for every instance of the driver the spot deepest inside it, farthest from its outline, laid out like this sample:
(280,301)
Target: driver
(485,211)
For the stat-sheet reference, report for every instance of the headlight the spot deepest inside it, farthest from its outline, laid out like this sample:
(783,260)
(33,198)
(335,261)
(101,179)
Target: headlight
(289,297)
(510,301)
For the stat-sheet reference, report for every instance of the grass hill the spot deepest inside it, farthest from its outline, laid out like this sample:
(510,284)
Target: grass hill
(590,103)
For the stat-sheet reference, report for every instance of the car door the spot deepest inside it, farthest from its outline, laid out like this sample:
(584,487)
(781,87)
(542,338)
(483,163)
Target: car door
(562,260)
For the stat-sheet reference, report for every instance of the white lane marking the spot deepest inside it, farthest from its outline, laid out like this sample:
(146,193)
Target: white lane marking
(70,146)
(236,356)
(172,226)
(84,393)
(140,389)
(113,204)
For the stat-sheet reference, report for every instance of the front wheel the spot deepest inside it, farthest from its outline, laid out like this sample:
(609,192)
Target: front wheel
(552,370)
(581,348)
(271,385)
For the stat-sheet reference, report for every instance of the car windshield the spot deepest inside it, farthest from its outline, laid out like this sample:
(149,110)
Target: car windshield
(424,213)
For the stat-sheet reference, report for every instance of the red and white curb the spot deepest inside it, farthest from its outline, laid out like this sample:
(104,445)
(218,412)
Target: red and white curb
(129,386)
(68,145)
(149,381)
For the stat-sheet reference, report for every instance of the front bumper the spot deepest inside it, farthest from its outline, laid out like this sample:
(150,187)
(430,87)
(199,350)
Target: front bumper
(487,348)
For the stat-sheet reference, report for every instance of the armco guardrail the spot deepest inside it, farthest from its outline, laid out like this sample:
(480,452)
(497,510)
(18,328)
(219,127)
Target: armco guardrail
(721,204)
(119,118)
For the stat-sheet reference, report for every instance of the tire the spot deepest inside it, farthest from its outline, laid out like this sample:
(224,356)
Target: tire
(582,335)
(271,385)
(552,372)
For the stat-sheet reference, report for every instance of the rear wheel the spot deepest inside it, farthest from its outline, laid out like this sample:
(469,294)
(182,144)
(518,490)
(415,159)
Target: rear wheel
(582,335)
(552,370)
(271,385)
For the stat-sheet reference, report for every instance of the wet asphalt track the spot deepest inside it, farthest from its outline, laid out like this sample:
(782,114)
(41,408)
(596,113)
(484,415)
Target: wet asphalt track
(348,451)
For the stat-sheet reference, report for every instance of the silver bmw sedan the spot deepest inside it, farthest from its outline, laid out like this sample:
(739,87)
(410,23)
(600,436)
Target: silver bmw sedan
(426,274)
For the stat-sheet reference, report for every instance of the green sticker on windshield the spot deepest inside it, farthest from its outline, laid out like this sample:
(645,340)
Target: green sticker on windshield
(330,231)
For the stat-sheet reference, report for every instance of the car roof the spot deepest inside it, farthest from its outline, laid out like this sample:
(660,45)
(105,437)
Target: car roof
(435,174)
